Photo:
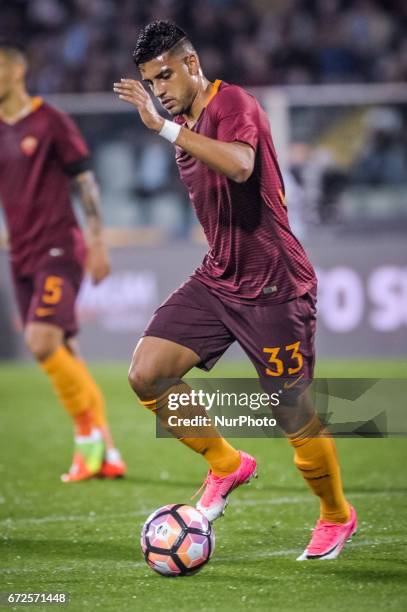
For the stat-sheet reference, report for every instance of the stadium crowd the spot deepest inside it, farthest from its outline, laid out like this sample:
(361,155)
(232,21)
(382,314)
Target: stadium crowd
(82,45)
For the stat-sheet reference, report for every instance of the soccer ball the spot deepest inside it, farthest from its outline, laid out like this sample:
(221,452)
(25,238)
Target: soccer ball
(177,540)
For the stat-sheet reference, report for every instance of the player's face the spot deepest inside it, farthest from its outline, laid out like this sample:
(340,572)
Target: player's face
(9,72)
(173,80)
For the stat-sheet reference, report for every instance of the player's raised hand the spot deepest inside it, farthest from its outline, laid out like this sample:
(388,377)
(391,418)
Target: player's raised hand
(133,92)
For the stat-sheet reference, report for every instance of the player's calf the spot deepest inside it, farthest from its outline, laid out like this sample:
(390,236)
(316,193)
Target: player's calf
(42,339)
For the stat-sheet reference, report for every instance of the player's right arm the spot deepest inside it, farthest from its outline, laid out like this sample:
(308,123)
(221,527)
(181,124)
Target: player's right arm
(233,159)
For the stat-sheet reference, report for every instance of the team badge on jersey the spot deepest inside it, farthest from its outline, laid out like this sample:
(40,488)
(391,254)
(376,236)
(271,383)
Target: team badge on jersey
(29,145)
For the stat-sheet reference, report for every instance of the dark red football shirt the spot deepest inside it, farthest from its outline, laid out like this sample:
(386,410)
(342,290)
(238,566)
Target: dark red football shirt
(253,255)
(38,154)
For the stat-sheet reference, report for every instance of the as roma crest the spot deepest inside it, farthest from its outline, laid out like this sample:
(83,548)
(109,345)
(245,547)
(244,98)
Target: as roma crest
(29,145)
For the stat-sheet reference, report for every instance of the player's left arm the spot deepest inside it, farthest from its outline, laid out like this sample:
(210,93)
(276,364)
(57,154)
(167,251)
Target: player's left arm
(98,258)
(234,159)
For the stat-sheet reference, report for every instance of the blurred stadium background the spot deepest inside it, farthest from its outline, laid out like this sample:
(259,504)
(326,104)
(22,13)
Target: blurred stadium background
(331,74)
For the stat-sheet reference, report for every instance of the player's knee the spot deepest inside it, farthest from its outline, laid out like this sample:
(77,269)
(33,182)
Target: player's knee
(40,345)
(289,418)
(142,379)
(294,416)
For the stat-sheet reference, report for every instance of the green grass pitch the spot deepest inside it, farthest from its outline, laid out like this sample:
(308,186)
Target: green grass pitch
(83,539)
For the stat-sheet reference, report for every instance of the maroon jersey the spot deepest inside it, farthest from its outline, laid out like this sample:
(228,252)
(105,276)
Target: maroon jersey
(253,254)
(37,156)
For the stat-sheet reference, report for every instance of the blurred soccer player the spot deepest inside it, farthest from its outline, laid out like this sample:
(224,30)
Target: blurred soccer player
(42,155)
(255,285)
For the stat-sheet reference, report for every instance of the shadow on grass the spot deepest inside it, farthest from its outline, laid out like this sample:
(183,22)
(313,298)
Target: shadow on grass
(350,572)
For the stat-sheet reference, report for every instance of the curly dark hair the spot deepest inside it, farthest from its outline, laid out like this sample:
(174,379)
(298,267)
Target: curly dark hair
(11,46)
(157,38)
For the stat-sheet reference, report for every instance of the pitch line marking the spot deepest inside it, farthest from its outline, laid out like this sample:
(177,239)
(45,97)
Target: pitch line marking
(9,522)
(276,501)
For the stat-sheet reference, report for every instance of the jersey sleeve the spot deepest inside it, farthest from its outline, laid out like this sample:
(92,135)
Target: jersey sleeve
(71,147)
(237,117)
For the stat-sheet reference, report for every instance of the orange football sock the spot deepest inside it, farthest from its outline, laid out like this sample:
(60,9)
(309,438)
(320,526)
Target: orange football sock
(83,423)
(315,457)
(98,402)
(72,387)
(223,459)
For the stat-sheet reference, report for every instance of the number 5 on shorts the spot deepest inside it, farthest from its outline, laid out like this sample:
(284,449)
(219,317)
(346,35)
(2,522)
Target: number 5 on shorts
(52,289)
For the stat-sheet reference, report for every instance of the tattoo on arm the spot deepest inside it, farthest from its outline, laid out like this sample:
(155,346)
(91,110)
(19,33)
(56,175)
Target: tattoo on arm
(88,192)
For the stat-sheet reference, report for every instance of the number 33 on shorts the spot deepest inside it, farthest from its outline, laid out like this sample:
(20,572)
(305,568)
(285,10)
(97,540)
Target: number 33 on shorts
(291,355)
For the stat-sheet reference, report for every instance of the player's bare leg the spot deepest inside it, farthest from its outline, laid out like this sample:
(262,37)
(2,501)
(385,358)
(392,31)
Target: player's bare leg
(81,398)
(155,372)
(316,458)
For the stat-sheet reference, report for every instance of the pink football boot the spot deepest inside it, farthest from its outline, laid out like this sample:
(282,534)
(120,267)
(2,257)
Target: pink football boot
(328,539)
(214,500)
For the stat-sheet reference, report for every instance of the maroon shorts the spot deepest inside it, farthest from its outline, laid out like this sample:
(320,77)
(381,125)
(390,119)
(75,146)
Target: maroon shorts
(50,293)
(277,338)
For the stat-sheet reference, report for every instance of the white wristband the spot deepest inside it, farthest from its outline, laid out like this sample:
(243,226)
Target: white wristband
(170,131)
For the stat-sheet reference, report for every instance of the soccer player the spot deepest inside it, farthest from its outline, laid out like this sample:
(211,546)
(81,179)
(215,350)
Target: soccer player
(43,155)
(255,285)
